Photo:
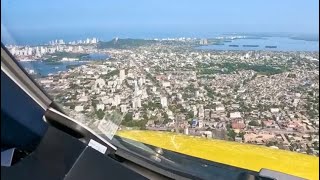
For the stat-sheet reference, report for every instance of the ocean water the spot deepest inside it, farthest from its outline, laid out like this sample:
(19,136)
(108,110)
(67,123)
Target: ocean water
(44,68)
(282,43)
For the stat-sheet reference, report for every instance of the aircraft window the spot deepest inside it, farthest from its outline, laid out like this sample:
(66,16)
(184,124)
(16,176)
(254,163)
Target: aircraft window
(192,77)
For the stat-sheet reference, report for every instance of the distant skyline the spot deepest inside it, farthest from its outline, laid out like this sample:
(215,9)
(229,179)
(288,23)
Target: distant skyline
(75,19)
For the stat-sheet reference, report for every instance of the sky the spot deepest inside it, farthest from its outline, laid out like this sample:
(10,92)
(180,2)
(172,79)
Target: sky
(39,19)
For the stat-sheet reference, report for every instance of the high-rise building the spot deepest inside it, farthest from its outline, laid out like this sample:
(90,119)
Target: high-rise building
(164,102)
(194,123)
(201,112)
(38,53)
(195,111)
(247,56)
(200,123)
(80,48)
(220,108)
(93,40)
(100,106)
(197,94)
(203,41)
(122,75)
(144,94)
(60,41)
(30,50)
(154,88)
(117,100)
(123,108)
(99,83)
(42,50)
(136,89)
(136,102)
(186,131)
(140,81)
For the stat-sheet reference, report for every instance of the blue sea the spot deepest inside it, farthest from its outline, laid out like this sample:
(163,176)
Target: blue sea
(282,43)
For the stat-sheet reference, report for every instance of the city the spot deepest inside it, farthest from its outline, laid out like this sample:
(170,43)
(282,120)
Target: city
(268,98)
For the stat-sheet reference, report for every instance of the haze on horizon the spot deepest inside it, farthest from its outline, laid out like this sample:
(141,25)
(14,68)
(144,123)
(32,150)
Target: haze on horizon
(37,19)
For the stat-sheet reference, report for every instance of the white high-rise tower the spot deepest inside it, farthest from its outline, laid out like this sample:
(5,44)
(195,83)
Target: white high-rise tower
(164,102)
(122,75)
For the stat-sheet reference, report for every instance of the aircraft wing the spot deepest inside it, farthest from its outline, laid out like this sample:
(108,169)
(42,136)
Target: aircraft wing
(247,156)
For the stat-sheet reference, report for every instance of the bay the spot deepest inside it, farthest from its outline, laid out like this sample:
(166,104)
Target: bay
(281,43)
(44,68)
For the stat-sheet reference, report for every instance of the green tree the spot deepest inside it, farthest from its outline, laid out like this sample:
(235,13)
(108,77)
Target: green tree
(128,117)
(145,117)
(232,134)
(254,123)
(272,143)
(241,134)
(309,151)
(94,103)
(72,106)
(165,116)
(190,115)
(100,114)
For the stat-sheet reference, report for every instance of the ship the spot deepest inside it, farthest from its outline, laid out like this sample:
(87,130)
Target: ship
(270,46)
(250,45)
